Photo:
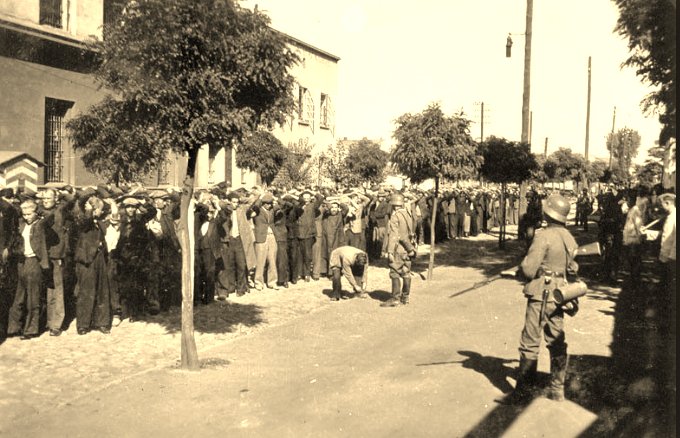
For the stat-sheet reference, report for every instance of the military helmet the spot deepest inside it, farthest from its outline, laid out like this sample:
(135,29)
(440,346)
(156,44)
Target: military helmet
(397,200)
(556,207)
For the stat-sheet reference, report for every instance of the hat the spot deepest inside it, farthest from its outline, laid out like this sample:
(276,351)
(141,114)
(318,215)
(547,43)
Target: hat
(130,202)
(114,218)
(268,198)
(306,192)
(159,194)
(102,191)
(666,197)
(382,193)
(234,195)
(7,192)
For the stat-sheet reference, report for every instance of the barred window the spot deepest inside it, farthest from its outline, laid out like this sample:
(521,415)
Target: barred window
(50,12)
(55,110)
(305,107)
(327,116)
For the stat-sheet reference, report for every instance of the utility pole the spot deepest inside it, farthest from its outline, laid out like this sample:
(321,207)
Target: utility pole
(526,114)
(588,111)
(611,146)
(531,125)
(481,136)
(545,148)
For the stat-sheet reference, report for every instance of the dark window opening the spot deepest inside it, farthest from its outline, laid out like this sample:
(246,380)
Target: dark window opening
(55,111)
(50,13)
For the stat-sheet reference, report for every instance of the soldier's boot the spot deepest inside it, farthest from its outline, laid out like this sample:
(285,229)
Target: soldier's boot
(405,290)
(526,375)
(394,301)
(558,373)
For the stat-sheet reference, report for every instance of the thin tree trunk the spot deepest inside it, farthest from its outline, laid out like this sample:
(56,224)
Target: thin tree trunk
(430,266)
(186,234)
(501,231)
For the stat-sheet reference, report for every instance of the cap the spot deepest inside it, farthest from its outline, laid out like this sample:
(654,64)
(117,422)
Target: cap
(268,198)
(159,194)
(131,202)
(666,197)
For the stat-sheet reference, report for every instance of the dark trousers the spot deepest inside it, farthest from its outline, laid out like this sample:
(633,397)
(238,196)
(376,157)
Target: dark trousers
(132,280)
(8,287)
(55,295)
(633,254)
(307,255)
(451,225)
(205,276)
(282,273)
(26,305)
(234,276)
(114,286)
(294,259)
(357,240)
(93,307)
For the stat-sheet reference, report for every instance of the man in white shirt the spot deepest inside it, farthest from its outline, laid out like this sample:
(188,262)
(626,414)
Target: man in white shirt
(30,250)
(667,252)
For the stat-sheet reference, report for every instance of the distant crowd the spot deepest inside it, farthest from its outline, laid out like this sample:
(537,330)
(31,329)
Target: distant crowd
(107,253)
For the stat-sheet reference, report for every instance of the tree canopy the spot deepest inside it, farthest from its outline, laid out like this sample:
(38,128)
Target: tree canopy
(183,74)
(367,161)
(507,161)
(263,153)
(649,26)
(624,145)
(433,145)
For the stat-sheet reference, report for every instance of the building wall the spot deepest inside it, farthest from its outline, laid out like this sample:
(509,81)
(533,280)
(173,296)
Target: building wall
(23,90)
(80,20)
(36,70)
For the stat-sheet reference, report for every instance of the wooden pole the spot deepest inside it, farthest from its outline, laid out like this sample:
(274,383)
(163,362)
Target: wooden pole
(588,111)
(430,266)
(186,230)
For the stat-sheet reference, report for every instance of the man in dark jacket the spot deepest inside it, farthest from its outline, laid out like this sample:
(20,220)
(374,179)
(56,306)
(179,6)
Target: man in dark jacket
(30,250)
(58,221)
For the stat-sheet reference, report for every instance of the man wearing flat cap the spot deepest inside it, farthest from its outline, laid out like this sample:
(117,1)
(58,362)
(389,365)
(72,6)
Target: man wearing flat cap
(165,279)
(262,214)
(58,221)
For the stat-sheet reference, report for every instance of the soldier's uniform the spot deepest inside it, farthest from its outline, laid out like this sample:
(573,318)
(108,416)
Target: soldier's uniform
(400,251)
(547,265)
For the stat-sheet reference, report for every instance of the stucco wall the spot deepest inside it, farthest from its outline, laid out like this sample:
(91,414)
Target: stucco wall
(23,89)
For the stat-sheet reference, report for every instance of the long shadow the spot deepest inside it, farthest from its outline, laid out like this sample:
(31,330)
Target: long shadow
(493,368)
(218,317)
(632,392)
(483,255)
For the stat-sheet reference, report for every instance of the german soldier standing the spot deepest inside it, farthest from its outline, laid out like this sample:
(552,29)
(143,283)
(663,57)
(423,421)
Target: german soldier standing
(547,264)
(400,251)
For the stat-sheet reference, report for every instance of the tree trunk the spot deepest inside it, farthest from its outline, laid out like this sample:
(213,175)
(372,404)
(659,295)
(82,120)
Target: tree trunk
(430,265)
(501,231)
(186,234)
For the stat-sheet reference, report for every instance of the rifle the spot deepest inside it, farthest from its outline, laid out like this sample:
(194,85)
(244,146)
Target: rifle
(584,250)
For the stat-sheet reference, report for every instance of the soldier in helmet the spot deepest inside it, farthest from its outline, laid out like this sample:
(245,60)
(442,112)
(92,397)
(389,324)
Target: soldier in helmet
(400,251)
(548,263)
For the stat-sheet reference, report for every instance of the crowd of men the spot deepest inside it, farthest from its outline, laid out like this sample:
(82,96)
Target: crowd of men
(106,253)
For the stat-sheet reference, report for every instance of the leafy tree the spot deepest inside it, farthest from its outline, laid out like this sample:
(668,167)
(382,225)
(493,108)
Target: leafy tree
(295,169)
(568,165)
(263,153)
(433,145)
(539,174)
(110,145)
(624,145)
(366,161)
(649,26)
(595,170)
(649,174)
(183,74)
(506,162)
(334,164)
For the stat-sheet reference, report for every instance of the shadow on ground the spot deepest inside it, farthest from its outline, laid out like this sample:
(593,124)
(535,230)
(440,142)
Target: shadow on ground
(633,391)
(218,317)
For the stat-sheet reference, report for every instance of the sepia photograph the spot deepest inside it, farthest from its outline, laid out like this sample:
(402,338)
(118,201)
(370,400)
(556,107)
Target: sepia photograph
(337,218)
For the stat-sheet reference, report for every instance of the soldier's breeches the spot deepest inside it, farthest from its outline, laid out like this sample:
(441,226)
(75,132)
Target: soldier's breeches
(552,328)
(400,268)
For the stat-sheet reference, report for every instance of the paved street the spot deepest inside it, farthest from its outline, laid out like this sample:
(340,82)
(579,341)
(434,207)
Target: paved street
(310,367)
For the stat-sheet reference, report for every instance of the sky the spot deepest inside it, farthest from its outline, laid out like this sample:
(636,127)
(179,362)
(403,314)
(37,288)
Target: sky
(398,57)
